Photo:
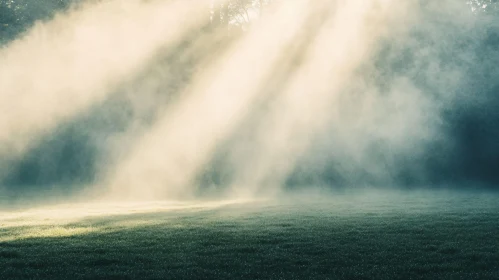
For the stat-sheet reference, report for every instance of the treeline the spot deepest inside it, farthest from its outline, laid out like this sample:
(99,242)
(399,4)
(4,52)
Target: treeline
(17,16)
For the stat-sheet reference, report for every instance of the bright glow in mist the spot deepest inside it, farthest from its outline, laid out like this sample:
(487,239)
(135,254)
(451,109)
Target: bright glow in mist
(263,93)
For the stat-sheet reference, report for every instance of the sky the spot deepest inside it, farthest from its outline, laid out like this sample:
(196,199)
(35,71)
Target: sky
(336,94)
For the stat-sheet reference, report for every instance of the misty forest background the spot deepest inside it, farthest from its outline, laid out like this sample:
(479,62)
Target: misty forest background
(465,156)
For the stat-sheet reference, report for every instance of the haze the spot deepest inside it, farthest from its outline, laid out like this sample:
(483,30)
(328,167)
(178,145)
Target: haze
(176,100)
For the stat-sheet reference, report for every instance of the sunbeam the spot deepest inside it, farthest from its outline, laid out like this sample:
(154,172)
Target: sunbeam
(63,66)
(304,106)
(166,159)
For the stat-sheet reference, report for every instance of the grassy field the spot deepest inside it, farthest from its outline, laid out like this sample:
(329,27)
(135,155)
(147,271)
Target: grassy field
(377,236)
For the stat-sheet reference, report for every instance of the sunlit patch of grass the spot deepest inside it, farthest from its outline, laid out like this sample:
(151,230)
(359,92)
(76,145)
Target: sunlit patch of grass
(68,213)
(26,232)
(85,218)
(56,231)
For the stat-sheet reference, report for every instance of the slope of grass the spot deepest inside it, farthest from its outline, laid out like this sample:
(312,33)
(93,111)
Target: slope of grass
(392,237)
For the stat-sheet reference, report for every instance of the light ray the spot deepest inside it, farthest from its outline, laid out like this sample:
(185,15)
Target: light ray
(166,159)
(63,66)
(300,111)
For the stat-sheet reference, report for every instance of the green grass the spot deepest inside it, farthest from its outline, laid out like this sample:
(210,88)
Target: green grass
(382,237)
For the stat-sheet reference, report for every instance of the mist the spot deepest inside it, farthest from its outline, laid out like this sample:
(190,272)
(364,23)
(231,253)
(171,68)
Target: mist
(174,100)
